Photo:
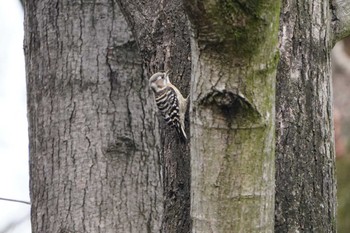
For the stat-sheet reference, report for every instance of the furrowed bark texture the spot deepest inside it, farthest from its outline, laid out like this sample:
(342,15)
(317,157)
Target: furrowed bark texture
(161,32)
(305,185)
(234,62)
(94,156)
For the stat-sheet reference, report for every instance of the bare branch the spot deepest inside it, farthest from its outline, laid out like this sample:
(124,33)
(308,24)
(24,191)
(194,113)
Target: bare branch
(14,200)
(341,19)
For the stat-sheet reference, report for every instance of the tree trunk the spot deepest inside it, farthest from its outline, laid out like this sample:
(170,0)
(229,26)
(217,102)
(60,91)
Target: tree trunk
(98,162)
(161,32)
(94,155)
(305,185)
(234,62)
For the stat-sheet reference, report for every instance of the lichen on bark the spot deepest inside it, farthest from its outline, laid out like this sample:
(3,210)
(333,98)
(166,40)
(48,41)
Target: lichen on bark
(232,115)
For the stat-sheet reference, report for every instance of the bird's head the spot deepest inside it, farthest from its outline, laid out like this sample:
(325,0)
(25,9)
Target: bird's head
(159,81)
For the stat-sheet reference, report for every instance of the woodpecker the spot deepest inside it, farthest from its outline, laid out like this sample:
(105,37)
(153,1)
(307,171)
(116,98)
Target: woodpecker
(170,102)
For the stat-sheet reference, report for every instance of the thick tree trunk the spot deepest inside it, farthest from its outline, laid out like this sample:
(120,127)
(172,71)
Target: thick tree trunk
(94,155)
(305,185)
(234,62)
(161,31)
(98,162)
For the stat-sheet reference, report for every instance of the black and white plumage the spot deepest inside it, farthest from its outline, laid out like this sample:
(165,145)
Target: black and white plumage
(170,102)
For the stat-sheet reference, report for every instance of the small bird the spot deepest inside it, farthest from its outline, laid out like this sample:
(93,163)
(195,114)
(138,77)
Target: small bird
(170,102)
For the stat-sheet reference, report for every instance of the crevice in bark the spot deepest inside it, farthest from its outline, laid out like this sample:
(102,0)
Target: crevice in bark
(231,105)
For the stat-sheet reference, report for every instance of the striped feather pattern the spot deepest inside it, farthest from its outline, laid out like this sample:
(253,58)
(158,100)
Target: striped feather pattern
(168,105)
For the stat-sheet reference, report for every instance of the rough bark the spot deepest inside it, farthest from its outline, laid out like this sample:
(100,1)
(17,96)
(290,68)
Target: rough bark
(234,62)
(305,185)
(340,19)
(161,32)
(94,155)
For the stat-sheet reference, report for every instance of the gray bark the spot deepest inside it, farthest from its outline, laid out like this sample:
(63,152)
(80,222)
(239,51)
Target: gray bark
(98,162)
(161,32)
(94,155)
(305,185)
(340,19)
(234,62)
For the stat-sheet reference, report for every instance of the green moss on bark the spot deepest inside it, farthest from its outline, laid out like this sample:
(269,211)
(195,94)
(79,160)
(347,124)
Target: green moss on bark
(232,151)
(235,28)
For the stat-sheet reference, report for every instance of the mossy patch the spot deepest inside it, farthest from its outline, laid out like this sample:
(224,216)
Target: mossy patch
(237,28)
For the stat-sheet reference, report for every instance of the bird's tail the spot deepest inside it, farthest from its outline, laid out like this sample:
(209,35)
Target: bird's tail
(181,133)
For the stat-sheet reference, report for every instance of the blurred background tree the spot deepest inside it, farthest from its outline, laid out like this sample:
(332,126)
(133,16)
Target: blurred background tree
(341,95)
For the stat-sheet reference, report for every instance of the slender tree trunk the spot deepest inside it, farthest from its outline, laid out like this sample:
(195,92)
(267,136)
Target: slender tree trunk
(161,31)
(305,185)
(234,62)
(94,155)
